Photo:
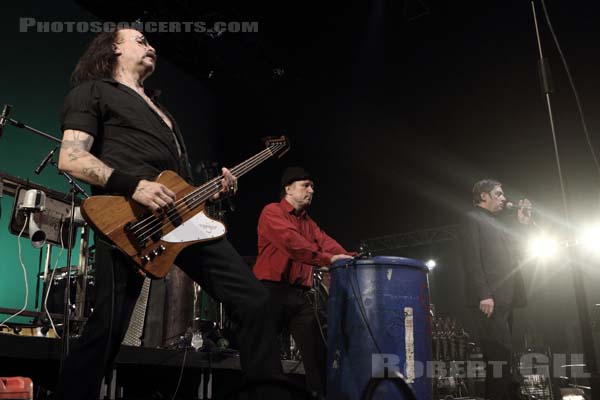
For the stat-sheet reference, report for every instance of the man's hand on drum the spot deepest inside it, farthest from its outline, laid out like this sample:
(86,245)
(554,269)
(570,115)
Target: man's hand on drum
(338,257)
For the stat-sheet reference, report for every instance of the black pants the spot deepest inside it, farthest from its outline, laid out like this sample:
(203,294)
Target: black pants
(495,336)
(217,267)
(294,308)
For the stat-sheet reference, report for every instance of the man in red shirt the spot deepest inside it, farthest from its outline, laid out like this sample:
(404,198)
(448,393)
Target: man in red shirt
(290,245)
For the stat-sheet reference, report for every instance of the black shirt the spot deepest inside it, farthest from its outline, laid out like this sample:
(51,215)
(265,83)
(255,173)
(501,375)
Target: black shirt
(128,134)
(489,260)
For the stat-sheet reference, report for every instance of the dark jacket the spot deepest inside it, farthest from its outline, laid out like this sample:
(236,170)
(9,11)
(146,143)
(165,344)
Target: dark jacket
(489,261)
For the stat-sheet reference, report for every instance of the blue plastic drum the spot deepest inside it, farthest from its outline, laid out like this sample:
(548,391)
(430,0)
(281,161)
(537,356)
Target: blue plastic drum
(379,326)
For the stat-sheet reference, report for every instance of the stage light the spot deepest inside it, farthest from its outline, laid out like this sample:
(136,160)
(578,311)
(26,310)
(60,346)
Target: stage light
(543,247)
(590,239)
(572,394)
(431,264)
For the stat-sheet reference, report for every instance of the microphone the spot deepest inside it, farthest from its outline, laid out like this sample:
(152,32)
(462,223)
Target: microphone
(45,161)
(512,206)
(4,117)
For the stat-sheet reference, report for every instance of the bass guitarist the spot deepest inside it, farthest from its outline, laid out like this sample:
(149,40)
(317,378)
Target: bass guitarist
(118,138)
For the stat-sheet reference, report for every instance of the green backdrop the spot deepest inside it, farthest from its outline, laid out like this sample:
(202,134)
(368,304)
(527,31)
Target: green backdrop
(35,70)
(34,77)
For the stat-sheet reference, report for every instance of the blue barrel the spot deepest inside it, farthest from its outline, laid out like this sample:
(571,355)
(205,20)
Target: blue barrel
(378,325)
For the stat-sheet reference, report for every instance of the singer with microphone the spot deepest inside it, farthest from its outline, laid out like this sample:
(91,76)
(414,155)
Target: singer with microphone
(494,286)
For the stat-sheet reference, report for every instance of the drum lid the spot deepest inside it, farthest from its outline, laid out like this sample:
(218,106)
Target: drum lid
(382,261)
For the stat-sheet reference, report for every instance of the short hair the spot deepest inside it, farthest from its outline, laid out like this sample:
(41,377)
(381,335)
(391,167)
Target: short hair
(483,186)
(98,61)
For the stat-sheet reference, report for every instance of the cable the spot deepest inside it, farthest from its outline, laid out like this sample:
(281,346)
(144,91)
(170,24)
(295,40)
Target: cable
(181,373)
(398,380)
(317,284)
(578,280)
(361,306)
(27,216)
(45,306)
(575,93)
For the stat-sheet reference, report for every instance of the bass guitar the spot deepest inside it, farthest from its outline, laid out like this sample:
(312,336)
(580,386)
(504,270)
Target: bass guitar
(154,239)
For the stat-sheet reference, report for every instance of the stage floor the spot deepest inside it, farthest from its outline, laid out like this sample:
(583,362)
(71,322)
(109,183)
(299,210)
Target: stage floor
(140,372)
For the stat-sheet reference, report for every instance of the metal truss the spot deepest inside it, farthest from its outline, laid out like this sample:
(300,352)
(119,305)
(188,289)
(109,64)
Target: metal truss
(412,239)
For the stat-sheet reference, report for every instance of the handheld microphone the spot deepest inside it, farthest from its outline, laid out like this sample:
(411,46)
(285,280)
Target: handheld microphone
(512,206)
(45,161)
(4,117)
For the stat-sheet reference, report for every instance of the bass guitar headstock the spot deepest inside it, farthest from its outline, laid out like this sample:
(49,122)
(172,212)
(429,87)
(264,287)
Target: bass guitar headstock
(277,145)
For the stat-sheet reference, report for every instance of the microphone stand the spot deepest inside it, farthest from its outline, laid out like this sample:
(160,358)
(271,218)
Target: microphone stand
(578,282)
(74,191)
(21,125)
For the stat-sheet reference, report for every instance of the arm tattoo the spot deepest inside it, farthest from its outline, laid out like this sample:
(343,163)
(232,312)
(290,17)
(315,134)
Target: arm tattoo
(78,147)
(96,171)
(92,174)
(79,142)
(81,163)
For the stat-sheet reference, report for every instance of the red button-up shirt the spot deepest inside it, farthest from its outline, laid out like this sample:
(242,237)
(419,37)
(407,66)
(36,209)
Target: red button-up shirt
(290,244)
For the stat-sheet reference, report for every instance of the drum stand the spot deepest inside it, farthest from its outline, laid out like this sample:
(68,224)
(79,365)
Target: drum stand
(201,326)
(75,189)
(80,308)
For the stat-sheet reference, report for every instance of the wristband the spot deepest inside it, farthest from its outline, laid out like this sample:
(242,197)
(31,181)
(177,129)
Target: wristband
(122,183)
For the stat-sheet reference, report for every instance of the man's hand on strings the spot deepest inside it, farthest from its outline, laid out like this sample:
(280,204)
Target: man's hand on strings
(153,195)
(229,185)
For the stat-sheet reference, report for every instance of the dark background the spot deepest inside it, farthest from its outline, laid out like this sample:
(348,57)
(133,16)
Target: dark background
(397,108)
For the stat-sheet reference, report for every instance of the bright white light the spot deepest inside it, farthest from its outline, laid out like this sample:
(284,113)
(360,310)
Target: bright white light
(573,397)
(430,264)
(590,239)
(543,247)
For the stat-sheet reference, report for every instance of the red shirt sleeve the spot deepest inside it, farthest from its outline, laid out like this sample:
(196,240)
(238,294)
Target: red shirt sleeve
(284,235)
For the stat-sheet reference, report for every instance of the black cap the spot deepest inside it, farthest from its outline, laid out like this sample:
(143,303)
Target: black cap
(293,174)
